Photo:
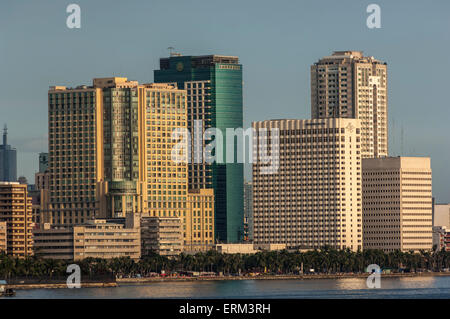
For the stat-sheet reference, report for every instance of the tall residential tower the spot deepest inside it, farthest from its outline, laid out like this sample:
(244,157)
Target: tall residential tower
(350,85)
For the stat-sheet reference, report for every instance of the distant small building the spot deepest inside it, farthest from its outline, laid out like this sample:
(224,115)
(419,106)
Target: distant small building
(43,162)
(247,248)
(97,239)
(441,238)
(53,243)
(8,160)
(161,235)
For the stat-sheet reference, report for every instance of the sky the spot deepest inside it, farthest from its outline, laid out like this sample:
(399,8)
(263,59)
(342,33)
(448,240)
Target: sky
(276,42)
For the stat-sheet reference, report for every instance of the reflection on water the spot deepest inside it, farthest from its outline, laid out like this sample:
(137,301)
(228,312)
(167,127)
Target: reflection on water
(419,287)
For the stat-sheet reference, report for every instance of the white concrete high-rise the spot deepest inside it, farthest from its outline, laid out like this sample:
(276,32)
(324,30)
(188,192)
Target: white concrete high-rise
(314,198)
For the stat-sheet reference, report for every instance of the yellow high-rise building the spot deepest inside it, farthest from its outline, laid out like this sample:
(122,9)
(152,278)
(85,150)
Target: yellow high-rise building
(198,221)
(167,181)
(110,152)
(16,212)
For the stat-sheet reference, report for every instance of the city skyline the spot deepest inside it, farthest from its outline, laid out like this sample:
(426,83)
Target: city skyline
(415,101)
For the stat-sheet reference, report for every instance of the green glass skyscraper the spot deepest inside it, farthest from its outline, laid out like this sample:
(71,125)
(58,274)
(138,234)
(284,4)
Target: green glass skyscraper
(214,92)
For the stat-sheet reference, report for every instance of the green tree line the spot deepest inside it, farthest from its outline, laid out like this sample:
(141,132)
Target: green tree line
(326,260)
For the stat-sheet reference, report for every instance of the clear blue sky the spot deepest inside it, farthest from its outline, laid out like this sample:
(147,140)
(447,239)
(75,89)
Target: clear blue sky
(276,41)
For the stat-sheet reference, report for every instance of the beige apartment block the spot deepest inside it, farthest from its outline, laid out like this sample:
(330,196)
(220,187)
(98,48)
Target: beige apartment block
(16,212)
(397,203)
(314,198)
(161,235)
(53,243)
(3,232)
(198,220)
(100,239)
(350,85)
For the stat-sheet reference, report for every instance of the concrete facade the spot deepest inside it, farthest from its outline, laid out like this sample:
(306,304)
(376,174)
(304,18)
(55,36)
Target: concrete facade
(100,239)
(161,235)
(397,202)
(314,197)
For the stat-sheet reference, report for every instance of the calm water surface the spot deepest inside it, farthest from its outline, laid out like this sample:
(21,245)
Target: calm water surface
(421,287)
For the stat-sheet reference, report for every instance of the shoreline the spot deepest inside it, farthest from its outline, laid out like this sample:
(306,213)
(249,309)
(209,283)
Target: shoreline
(272,277)
(62,285)
(137,281)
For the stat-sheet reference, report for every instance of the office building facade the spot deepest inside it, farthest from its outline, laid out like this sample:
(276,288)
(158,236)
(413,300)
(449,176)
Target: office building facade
(313,199)
(214,99)
(397,203)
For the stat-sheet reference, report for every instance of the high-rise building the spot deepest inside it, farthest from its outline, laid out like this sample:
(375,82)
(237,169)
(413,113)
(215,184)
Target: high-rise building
(124,185)
(313,199)
(350,85)
(75,119)
(214,99)
(248,209)
(166,178)
(94,166)
(397,203)
(8,160)
(15,210)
